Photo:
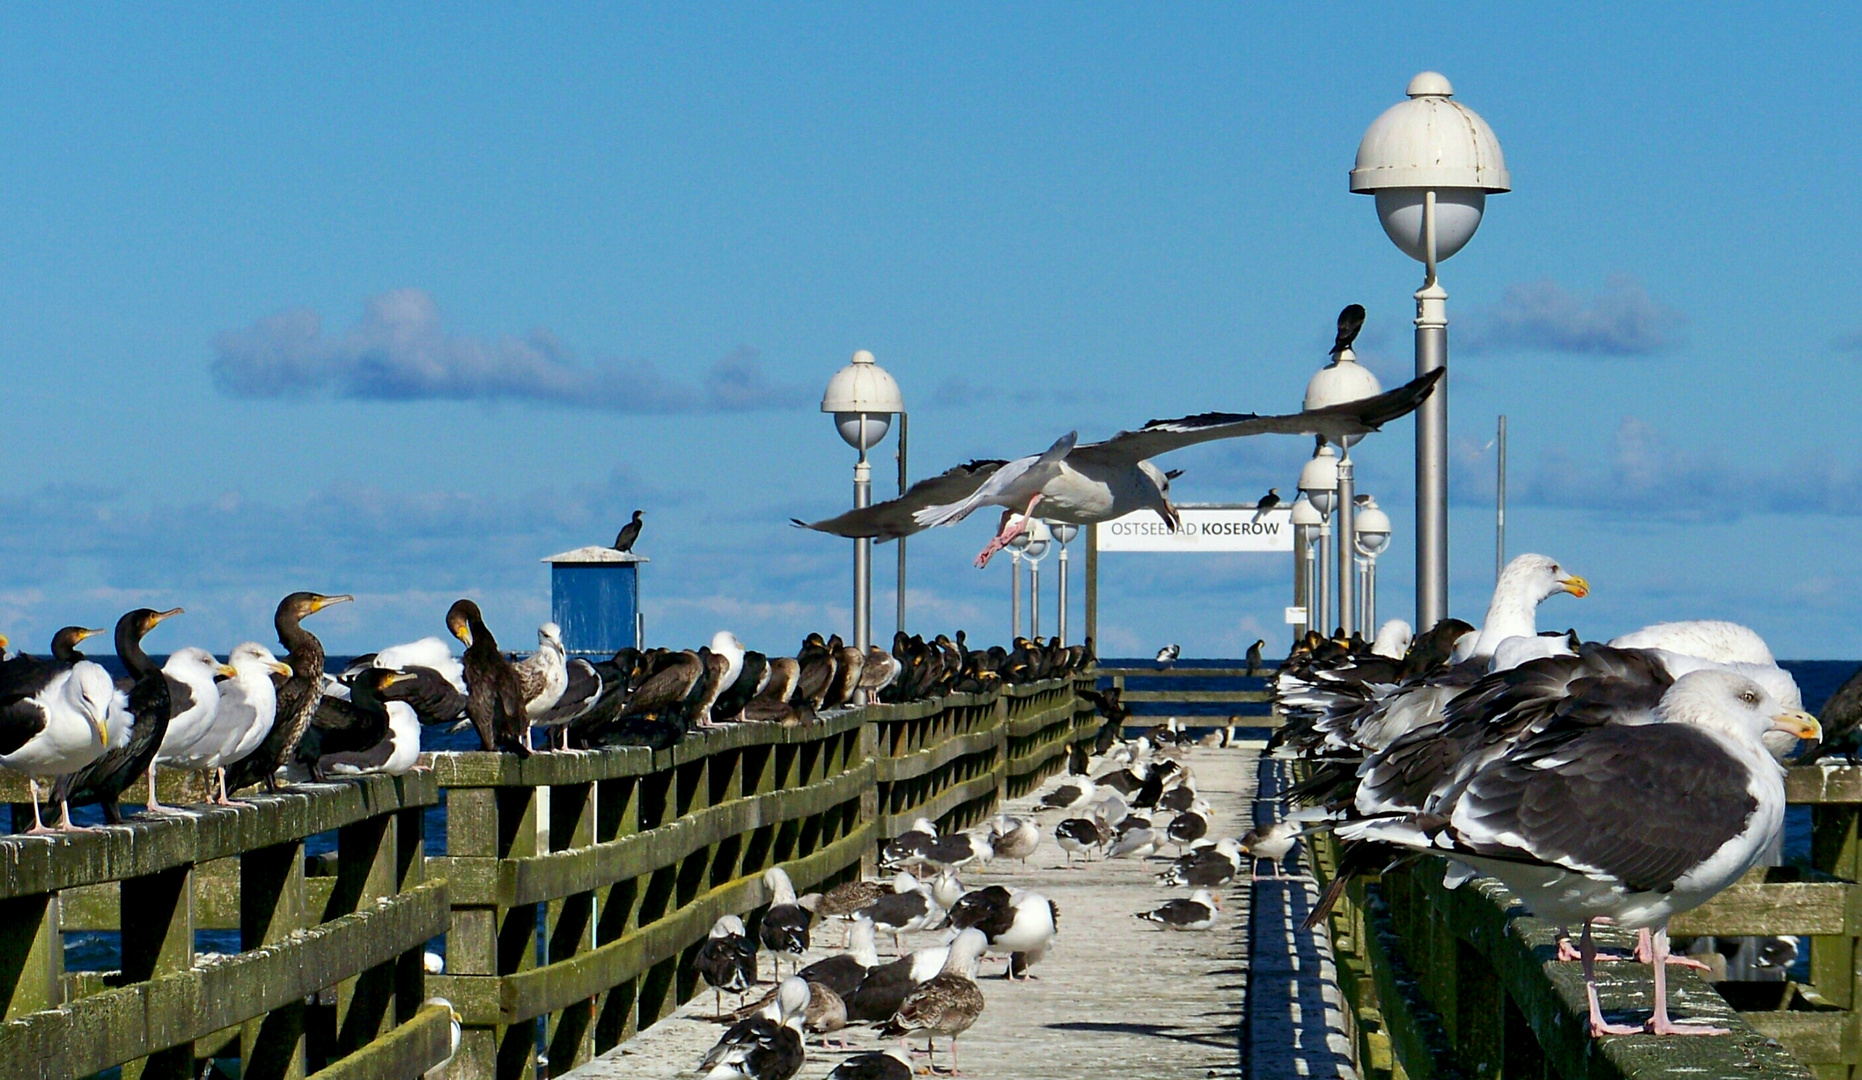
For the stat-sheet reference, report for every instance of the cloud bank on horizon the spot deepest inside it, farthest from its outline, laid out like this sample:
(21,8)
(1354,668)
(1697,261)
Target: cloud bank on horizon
(400,350)
(1621,319)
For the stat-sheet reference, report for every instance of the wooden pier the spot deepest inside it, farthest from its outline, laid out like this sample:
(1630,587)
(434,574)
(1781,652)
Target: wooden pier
(567,893)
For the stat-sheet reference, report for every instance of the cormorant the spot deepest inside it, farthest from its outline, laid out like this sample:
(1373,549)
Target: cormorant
(364,734)
(103,780)
(494,697)
(630,532)
(297,698)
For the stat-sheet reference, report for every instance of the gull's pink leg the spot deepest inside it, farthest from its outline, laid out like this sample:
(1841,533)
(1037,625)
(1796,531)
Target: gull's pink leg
(1008,533)
(1659,1024)
(1598,1026)
(1645,953)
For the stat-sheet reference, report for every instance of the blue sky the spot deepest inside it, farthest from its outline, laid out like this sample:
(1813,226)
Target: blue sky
(394,302)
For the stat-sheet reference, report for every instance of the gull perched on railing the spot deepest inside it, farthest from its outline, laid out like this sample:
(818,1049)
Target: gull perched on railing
(1101,481)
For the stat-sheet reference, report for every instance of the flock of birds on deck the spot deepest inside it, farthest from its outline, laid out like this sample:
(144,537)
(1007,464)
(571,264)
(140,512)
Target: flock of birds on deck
(258,719)
(1627,781)
(1107,803)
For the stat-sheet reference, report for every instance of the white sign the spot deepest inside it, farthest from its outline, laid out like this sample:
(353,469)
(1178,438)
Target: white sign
(1296,616)
(1200,529)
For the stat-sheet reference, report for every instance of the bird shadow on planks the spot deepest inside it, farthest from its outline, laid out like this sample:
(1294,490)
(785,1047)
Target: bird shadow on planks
(1172,1032)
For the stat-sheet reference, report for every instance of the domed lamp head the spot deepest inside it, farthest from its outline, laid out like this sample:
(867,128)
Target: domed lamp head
(863,398)
(1430,143)
(1032,542)
(1304,513)
(1319,480)
(1373,529)
(1064,531)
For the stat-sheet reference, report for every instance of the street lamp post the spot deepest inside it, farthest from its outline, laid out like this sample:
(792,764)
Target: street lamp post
(1341,381)
(1305,521)
(1371,538)
(863,399)
(1431,162)
(1063,532)
(1319,484)
(1039,540)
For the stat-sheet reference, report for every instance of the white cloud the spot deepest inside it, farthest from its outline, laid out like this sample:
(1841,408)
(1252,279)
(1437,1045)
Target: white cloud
(1619,320)
(401,351)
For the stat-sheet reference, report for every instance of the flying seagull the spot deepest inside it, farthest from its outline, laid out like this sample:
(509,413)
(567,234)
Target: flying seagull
(1085,484)
(1266,502)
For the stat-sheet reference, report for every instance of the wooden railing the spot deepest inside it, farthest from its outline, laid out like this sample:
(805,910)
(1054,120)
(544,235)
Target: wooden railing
(325,978)
(581,884)
(1153,685)
(1444,982)
(571,891)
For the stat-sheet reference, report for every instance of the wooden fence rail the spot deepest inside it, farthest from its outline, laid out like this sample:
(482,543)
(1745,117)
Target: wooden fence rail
(1461,982)
(571,893)
(326,979)
(582,884)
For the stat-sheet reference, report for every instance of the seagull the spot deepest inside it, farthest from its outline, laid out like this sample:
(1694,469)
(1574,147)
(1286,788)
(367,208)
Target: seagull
(784,928)
(726,959)
(630,532)
(1266,502)
(1196,913)
(1094,482)
(1637,819)
(760,1048)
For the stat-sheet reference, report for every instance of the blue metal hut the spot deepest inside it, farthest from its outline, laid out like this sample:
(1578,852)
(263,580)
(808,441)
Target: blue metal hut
(595,598)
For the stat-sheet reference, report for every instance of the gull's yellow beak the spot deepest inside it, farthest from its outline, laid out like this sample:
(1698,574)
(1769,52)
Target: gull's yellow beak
(103,733)
(226,671)
(1576,586)
(1799,723)
(283,669)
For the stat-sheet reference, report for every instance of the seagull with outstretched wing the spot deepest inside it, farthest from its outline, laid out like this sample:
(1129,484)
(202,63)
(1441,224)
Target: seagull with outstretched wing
(1101,481)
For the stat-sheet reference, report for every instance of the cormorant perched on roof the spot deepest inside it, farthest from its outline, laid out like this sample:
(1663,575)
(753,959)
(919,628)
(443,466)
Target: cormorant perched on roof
(104,779)
(494,697)
(630,532)
(297,698)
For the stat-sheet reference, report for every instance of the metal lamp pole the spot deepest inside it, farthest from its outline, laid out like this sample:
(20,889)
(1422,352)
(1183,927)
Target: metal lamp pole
(862,556)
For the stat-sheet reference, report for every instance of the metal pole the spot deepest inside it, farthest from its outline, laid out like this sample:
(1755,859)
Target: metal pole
(1324,574)
(904,429)
(862,557)
(1431,440)
(1015,595)
(1034,598)
(1092,583)
(1302,555)
(1370,597)
(1062,613)
(1499,521)
(1347,526)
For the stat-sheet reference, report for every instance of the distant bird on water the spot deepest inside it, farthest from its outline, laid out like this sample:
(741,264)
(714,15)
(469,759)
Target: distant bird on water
(630,532)
(1266,503)
(1350,321)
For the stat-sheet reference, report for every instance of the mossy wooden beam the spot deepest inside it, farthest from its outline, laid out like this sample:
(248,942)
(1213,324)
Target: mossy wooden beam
(116,1026)
(409,1050)
(145,846)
